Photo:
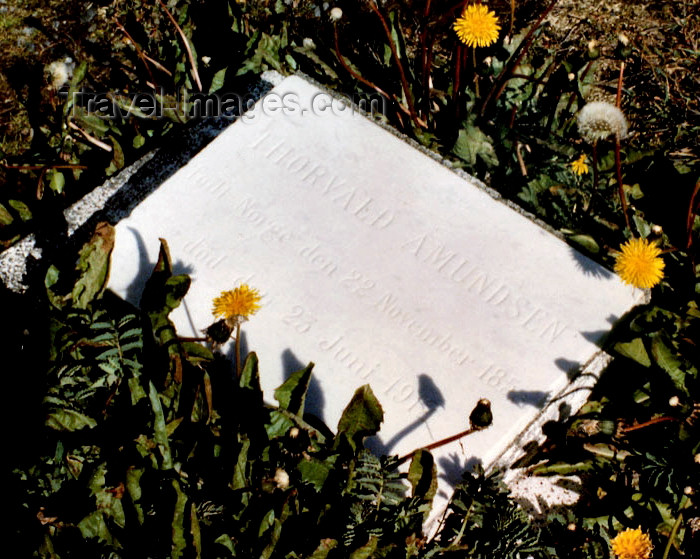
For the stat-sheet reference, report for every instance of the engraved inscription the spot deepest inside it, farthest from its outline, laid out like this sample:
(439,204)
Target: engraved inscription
(353,200)
(458,269)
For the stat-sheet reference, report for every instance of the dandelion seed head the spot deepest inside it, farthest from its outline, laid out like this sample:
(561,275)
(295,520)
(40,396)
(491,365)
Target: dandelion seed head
(335,14)
(599,120)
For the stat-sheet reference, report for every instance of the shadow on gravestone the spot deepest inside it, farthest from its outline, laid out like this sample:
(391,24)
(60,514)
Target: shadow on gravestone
(135,289)
(536,398)
(431,397)
(314,395)
(571,368)
(453,468)
(588,266)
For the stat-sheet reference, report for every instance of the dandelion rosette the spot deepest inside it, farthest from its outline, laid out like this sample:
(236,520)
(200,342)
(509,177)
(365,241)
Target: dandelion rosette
(638,263)
(599,119)
(632,544)
(237,305)
(579,166)
(477,26)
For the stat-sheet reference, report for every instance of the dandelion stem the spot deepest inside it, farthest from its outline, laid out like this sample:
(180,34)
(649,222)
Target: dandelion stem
(618,97)
(352,72)
(594,157)
(193,63)
(476,75)
(397,60)
(437,444)
(237,347)
(676,527)
(692,211)
(647,423)
(620,187)
(500,85)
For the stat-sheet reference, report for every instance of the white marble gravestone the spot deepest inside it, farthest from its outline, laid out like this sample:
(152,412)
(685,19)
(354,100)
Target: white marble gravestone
(381,266)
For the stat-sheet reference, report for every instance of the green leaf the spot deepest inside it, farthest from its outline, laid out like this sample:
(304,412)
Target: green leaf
(178,523)
(69,420)
(133,486)
(324,548)
(138,141)
(5,216)
(51,279)
(362,416)
(473,144)
(118,160)
(266,523)
(634,350)
(160,428)
(291,395)
(279,425)
(367,551)
(240,476)
(422,475)
(94,526)
(217,81)
(93,266)
(665,358)
(22,209)
(57,181)
(314,471)
(587,242)
(250,380)
(227,542)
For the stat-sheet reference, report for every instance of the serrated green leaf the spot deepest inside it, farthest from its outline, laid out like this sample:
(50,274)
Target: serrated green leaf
(665,358)
(227,542)
(472,144)
(51,279)
(118,160)
(240,473)
(266,522)
(250,380)
(133,486)
(314,471)
(5,216)
(422,475)
(93,266)
(69,420)
(217,81)
(278,426)
(324,548)
(291,395)
(362,417)
(634,350)
(178,524)
(367,551)
(94,526)
(25,214)
(160,428)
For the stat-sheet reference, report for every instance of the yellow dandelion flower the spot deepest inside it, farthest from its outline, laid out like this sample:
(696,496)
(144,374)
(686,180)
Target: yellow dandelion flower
(639,263)
(238,304)
(579,166)
(632,544)
(477,27)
